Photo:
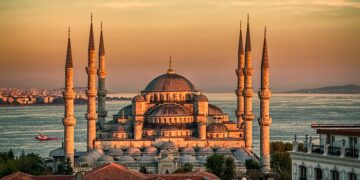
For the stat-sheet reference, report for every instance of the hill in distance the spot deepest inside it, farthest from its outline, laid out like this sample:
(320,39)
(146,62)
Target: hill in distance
(346,89)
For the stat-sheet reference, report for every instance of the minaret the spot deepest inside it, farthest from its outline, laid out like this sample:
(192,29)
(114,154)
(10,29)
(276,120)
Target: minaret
(248,91)
(91,92)
(240,82)
(102,113)
(264,120)
(69,120)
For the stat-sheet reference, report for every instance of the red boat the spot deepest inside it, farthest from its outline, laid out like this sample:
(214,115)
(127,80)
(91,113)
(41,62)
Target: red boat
(44,137)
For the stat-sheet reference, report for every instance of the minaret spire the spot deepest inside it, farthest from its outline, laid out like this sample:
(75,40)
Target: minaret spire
(170,70)
(265,119)
(91,115)
(248,91)
(240,82)
(102,113)
(69,120)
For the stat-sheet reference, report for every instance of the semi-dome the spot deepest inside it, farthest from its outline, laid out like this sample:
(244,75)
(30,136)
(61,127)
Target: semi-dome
(217,127)
(206,150)
(188,150)
(138,98)
(223,150)
(214,110)
(201,98)
(169,82)
(115,152)
(126,159)
(133,151)
(168,145)
(57,152)
(150,150)
(147,158)
(170,110)
(187,159)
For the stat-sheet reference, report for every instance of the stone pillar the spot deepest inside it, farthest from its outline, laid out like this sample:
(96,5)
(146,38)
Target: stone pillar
(102,113)
(265,119)
(295,145)
(69,120)
(138,126)
(342,149)
(202,130)
(91,115)
(240,82)
(248,92)
(326,149)
(309,147)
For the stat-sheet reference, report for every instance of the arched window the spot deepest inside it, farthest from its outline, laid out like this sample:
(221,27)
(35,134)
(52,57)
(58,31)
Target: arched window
(351,176)
(302,170)
(334,175)
(318,174)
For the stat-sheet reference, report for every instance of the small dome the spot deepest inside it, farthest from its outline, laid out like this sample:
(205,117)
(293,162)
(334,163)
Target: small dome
(169,82)
(201,98)
(214,110)
(115,152)
(133,151)
(223,150)
(91,157)
(126,159)
(138,98)
(168,145)
(150,150)
(188,150)
(118,128)
(59,152)
(105,159)
(206,150)
(170,110)
(187,158)
(217,127)
(202,158)
(147,158)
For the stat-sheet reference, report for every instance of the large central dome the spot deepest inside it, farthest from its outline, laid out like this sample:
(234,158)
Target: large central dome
(169,82)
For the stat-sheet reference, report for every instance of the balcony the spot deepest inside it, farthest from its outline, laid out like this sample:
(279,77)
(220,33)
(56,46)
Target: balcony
(350,152)
(334,150)
(318,149)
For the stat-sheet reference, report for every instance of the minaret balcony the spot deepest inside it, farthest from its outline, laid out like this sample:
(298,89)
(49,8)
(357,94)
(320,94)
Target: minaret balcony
(102,92)
(248,92)
(248,117)
(91,92)
(91,70)
(91,116)
(69,121)
(101,73)
(264,94)
(102,113)
(69,94)
(248,71)
(239,72)
(264,121)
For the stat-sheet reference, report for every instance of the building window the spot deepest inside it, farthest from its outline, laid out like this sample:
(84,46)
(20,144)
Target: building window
(351,176)
(334,175)
(302,170)
(318,174)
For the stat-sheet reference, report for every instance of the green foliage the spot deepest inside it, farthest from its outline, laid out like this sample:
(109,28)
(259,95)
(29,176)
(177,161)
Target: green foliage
(27,163)
(280,160)
(251,164)
(143,169)
(221,166)
(229,169)
(65,168)
(215,164)
(185,168)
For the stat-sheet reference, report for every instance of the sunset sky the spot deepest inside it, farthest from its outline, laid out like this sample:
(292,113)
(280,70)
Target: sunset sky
(311,43)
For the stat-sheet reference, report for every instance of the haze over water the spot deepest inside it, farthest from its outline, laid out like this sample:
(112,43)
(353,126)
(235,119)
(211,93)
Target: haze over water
(291,114)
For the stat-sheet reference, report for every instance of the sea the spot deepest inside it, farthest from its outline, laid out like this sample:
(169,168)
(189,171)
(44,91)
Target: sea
(292,114)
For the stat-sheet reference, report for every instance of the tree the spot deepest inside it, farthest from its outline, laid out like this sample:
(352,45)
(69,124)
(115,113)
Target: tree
(68,167)
(229,169)
(280,159)
(185,168)
(11,154)
(215,164)
(143,169)
(251,164)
